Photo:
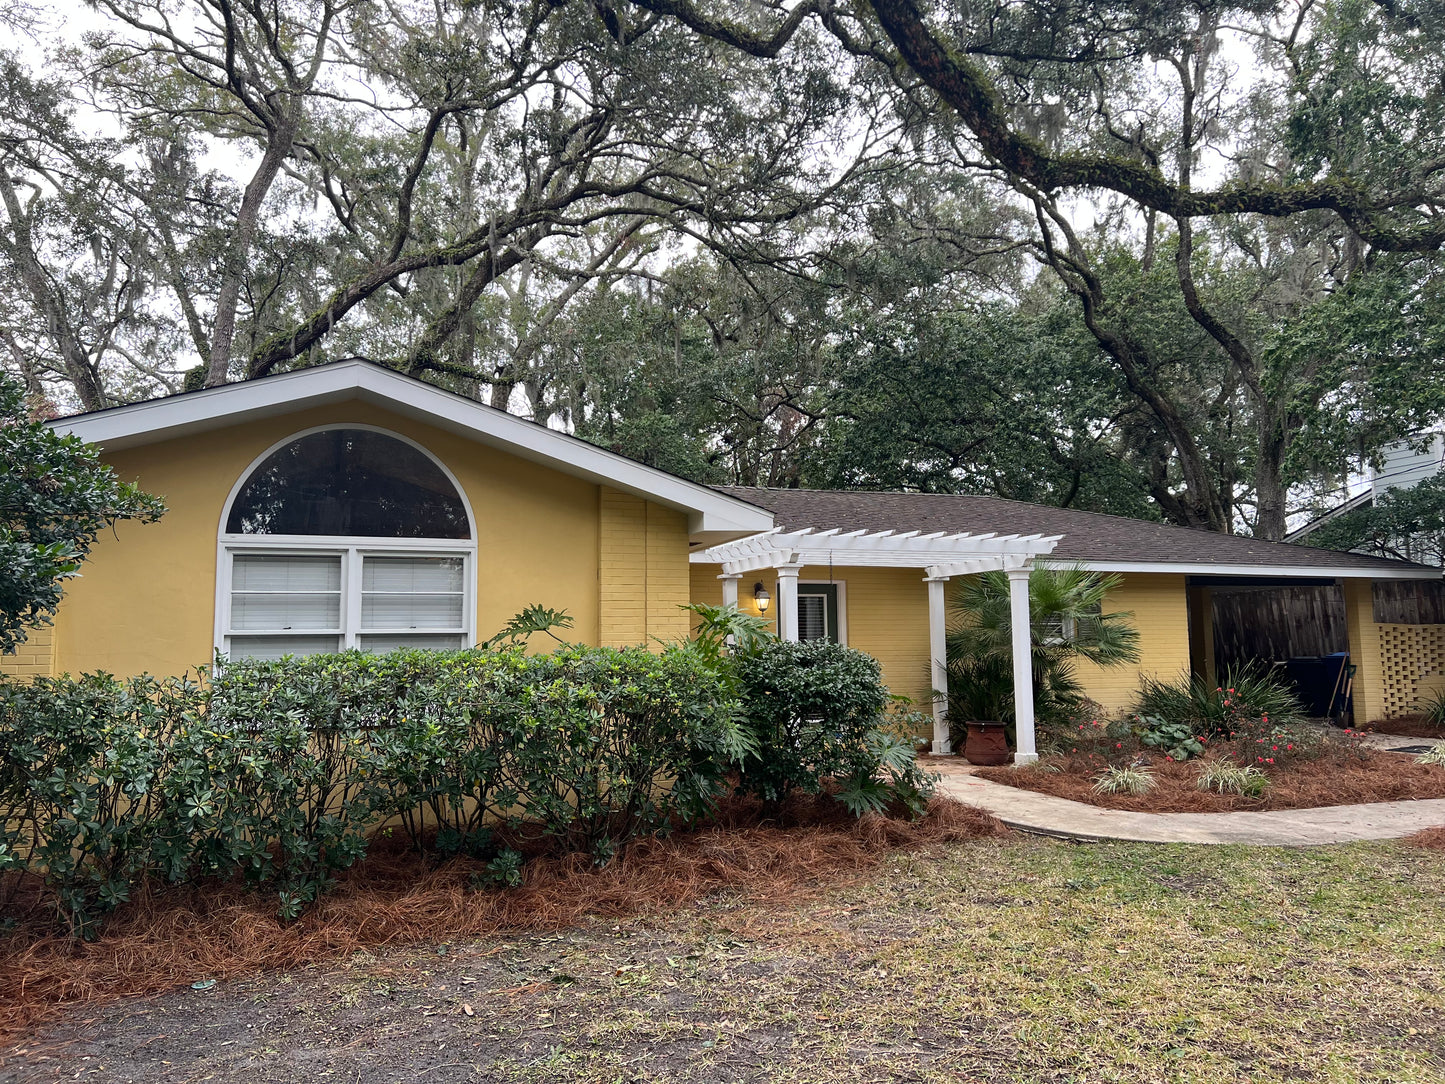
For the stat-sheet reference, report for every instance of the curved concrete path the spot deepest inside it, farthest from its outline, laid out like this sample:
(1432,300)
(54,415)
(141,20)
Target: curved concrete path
(1046,815)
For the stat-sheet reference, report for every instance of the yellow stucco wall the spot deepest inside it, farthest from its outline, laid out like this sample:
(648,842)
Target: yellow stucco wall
(146,599)
(887,616)
(1161,614)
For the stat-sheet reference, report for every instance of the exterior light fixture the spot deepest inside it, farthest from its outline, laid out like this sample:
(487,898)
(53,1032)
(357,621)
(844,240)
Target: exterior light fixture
(761,597)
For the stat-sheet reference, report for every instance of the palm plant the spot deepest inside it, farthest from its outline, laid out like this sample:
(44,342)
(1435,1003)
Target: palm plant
(1067,625)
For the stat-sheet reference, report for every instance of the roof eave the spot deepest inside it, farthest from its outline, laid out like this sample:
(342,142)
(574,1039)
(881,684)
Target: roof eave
(1405,571)
(712,516)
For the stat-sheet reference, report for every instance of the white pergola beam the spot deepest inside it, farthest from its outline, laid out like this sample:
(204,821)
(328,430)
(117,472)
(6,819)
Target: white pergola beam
(878,549)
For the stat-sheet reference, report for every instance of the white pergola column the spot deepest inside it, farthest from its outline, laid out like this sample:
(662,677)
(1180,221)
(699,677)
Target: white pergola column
(788,602)
(730,588)
(938,657)
(1025,749)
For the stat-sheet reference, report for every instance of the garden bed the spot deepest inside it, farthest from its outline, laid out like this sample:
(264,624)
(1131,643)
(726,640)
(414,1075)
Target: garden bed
(166,938)
(1408,726)
(1344,777)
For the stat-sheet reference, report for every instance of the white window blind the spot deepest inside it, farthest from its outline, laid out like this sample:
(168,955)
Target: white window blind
(300,604)
(404,593)
(812,617)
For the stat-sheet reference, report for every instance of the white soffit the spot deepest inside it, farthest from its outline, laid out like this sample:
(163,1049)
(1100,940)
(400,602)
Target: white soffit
(942,554)
(712,516)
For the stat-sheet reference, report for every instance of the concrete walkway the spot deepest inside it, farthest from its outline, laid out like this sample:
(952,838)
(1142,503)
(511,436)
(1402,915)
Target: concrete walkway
(1046,815)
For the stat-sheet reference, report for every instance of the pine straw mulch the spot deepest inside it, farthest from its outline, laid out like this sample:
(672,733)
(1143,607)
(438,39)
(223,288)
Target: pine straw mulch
(1408,726)
(1432,839)
(168,937)
(1344,778)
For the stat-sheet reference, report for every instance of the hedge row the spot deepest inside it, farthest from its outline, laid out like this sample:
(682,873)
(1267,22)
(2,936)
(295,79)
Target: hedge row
(279,772)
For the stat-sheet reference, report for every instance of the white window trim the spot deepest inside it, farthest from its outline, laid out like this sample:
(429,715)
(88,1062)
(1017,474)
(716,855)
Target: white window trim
(351,549)
(842,586)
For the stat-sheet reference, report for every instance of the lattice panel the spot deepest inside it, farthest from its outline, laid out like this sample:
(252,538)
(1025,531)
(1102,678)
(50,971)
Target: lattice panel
(1412,657)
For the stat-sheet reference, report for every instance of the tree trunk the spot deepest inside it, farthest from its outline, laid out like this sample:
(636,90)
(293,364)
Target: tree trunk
(236,259)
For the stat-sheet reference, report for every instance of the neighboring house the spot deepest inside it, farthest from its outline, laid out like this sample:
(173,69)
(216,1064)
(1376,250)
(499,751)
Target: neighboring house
(1402,464)
(347,505)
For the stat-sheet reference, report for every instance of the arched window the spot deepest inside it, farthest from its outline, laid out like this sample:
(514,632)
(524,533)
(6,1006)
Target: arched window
(345,537)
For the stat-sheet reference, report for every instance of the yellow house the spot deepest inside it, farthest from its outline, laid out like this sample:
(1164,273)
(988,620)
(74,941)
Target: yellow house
(871,569)
(347,505)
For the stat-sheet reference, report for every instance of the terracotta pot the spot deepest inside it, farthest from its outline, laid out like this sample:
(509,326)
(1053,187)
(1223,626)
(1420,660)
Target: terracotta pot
(986,744)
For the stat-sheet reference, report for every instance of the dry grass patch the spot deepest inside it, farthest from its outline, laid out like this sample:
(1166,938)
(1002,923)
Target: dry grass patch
(170,937)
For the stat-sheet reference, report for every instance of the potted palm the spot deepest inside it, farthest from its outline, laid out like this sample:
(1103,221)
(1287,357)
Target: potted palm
(1067,624)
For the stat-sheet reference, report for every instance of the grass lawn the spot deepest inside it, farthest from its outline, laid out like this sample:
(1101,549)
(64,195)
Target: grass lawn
(999,961)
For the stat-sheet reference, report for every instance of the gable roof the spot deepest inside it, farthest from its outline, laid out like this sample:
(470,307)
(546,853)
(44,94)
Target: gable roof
(713,515)
(1101,542)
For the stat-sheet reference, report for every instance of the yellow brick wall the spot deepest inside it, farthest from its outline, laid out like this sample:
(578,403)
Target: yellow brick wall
(1365,651)
(34,658)
(1412,660)
(642,569)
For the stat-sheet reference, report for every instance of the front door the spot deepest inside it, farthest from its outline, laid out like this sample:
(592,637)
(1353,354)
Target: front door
(818,611)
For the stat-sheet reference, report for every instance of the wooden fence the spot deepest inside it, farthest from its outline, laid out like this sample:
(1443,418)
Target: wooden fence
(1410,602)
(1277,623)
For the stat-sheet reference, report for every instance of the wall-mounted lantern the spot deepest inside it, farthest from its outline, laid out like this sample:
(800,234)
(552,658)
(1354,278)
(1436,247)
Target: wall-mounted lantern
(761,597)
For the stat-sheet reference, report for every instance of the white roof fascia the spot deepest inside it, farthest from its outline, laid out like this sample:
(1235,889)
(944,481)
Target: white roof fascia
(1316,572)
(1357,501)
(712,516)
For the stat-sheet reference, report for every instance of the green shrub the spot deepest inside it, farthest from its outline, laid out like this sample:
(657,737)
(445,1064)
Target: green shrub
(815,711)
(1225,777)
(81,763)
(280,771)
(271,783)
(1250,697)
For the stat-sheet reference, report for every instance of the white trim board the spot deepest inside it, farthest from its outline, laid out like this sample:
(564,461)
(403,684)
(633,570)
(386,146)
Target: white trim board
(713,517)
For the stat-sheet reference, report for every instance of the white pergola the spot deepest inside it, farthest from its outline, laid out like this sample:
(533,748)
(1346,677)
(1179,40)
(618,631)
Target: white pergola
(940,556)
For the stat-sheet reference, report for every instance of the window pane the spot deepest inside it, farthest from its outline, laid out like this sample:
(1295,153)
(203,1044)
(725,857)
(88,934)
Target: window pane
(812,617)
(285,591)
(349,482)
(412,593)
(286,572)
(286,611)
(397,611)
(275,647)
(443,642)
(412,574)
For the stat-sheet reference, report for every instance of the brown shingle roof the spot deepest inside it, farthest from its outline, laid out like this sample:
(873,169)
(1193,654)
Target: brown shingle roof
(1087,536)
